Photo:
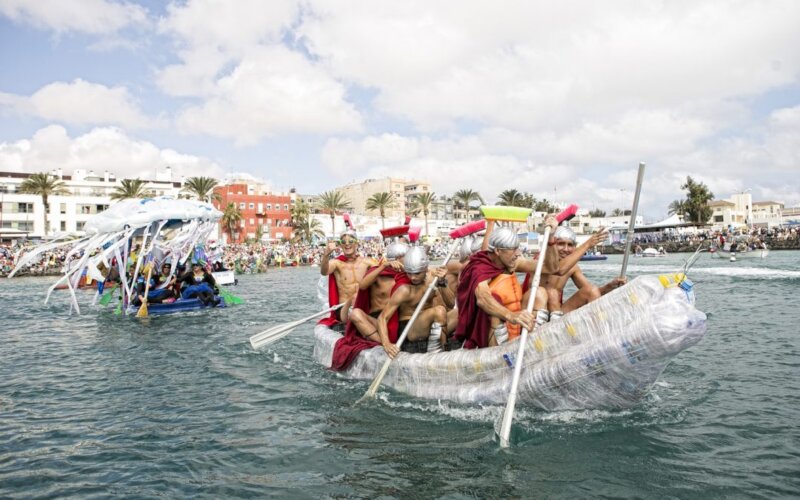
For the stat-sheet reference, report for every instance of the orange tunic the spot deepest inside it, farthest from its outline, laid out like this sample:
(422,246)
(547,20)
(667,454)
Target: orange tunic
(507,290)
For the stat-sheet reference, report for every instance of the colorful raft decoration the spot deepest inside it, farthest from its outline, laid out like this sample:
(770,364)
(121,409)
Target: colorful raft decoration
(606,354)
(163,227)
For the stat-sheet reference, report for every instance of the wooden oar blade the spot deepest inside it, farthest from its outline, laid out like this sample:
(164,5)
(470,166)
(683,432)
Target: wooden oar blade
(142,313)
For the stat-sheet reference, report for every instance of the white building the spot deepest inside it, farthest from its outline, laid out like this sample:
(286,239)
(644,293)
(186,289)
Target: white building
(88,194)
(358,193)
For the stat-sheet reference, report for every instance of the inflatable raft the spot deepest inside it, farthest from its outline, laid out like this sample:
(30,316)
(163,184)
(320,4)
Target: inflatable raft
(606,354)
(180,305)
(591,257)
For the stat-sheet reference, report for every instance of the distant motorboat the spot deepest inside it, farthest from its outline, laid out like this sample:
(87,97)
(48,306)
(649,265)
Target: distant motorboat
(593,256)
(652,252)
(747,253)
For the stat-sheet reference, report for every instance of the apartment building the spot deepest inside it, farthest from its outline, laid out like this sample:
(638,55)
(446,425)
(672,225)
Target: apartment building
(265,214)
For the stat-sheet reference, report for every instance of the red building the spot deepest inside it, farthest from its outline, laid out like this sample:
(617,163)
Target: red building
(259,209)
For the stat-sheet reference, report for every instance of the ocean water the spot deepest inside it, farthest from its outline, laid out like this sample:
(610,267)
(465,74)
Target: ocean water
(179,406)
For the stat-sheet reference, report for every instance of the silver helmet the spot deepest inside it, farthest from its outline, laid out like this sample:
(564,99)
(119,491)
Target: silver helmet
(503,237)
(465,250)
(415,261)
(396,250)
(349,232)
(565,233)
(477,243)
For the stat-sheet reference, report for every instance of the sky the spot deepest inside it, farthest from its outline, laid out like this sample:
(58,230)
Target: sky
(559,99)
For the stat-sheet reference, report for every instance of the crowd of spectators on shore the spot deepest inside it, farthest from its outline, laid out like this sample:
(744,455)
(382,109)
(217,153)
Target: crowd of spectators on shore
(248,258)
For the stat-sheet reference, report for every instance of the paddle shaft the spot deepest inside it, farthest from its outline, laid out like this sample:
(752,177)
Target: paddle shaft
(257,340)
(143,308)
(373,388)
(629,237)
(508,414)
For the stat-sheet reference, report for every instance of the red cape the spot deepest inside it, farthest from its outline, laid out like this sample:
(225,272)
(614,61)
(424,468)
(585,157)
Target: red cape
(333,297)
(348,347)
(474,324)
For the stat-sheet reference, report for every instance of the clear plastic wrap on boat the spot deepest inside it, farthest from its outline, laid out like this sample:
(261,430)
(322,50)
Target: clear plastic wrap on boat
(604,355)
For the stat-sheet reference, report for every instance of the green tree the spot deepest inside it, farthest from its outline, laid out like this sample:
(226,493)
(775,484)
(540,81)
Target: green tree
(299,211)
(511,198)
(305,230)
(422,203)
(697,197)
(131,188)
(677,207)
(45,185)
(231,218)
(597,213)
(201,188)
(463,199)
(617,212)
(381,202)
(333,202)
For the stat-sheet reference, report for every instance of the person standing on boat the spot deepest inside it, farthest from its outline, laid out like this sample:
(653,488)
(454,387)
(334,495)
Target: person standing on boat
(484,313)
(426,332)
(569,255)
(343,280)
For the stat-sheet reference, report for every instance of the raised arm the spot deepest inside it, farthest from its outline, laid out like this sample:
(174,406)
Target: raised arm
(572,259)
(326,267)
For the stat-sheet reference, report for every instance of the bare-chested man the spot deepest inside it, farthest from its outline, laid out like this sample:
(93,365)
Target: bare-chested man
(379,282)
(407,295)
(343,269)
(565,243)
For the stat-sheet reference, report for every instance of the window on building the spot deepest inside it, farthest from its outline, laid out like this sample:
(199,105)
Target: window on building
(241,206)
(285,206)
(3,189)
(79,225)
(251,206)
(63,209)
(718,218)
(269,206)
(63,225)
(25,208)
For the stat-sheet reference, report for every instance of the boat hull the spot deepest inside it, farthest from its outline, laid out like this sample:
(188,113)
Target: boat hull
(181,305)
(604,355)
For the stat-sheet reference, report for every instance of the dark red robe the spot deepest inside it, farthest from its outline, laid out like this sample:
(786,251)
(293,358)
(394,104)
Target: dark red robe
(474,325)
(333,298)
(348,347)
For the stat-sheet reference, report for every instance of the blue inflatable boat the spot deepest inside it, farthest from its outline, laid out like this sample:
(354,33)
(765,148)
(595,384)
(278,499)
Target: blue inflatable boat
(177,306)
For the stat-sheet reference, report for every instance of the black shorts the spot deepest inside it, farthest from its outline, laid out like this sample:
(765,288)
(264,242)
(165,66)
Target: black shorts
(416,347)
(375,314)
(338,314)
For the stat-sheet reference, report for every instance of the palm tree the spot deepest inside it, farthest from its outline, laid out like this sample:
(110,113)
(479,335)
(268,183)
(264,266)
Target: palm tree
(380,202)
(511,198)
(202,188)
(306,229)
(697,197)
(422,203)
(231,218)
(44,185)
(332,202)
(464,197)
(617,212)
(131,188)
(299,212)
(677,207)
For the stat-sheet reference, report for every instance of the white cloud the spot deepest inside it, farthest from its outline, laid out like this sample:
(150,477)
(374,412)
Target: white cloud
(80,103)
(96,17)
(272,91)
(100,149)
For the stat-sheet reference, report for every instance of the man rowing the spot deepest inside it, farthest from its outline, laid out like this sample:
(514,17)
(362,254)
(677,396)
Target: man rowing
(408,292)
(343,282)
(569,255)
(490,299)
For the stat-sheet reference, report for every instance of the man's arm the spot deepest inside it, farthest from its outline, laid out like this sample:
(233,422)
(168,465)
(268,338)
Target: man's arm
(492,307)
(572,259)
(398,297)
(326,267)
(612,285)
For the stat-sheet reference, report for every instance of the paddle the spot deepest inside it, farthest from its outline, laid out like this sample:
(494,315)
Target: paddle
(508,413)
(455,234)
(106,298)
(228,297)
(276,333)
(142,313)
(629,236)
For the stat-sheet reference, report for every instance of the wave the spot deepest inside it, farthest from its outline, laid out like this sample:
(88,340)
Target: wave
(733,271)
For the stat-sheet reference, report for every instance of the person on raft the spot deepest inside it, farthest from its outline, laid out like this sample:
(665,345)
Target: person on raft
(489,296)
(165,284)
(343,269)
(153,296)
(426,333)
(199,283)
(377,284)
(569,256)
